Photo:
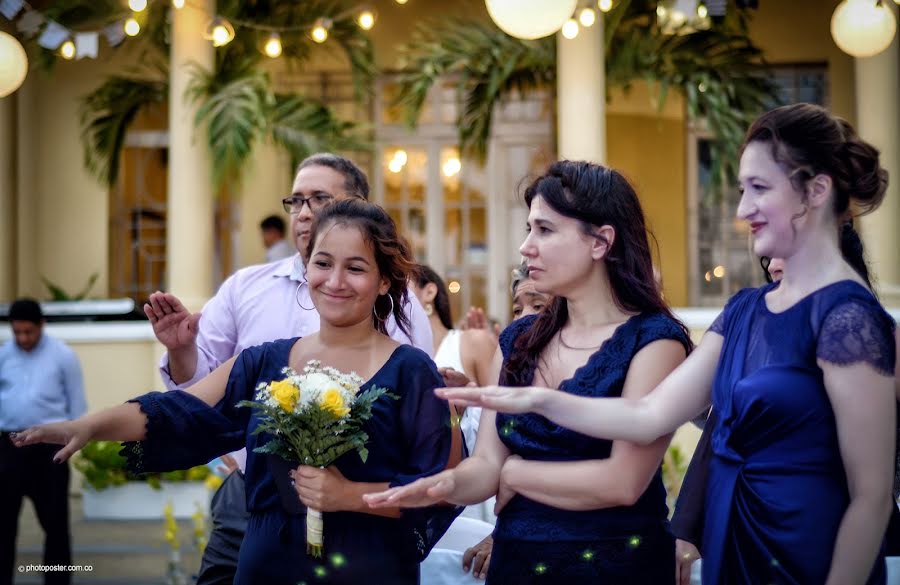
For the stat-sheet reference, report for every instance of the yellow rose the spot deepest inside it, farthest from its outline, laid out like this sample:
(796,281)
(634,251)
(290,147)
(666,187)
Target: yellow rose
(333,402)
(285,394)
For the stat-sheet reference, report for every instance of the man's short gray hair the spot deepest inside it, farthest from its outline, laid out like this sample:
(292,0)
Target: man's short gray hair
(355,182)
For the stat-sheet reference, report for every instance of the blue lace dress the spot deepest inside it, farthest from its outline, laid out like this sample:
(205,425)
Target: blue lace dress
(409,438)
(536,543)
(777,490)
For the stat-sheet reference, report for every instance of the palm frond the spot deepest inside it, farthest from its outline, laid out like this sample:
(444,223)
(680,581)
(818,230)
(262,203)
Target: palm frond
(719,71)
(107,112)
(488,66)
(302,127)
(234,112)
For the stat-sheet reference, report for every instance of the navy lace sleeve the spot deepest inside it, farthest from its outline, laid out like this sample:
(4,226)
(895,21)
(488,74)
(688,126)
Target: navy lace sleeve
(183,431)
(858,332)
(658,326)
(425,423)
(513,331)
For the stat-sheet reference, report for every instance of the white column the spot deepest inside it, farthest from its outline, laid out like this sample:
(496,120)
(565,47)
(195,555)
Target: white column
(7,198)
(878,122)
(189,223)
(27,270)
(498,219)
(434,211)
(581,95)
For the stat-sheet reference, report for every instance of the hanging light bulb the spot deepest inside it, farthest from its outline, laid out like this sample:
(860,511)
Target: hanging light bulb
(401,2)
(273,47)
(587,17)
(863,28)
(13,64)
(604,5)
(132,27)
(570,29)
(702,11)
(319,32)
(67,50)
(366,19)
(178,4)
(220,32)
(137,5)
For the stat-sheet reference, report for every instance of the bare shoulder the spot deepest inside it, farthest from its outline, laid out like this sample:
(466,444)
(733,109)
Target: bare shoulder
(479,339)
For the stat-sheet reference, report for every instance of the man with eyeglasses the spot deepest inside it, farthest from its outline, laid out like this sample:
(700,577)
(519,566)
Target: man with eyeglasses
(254,305)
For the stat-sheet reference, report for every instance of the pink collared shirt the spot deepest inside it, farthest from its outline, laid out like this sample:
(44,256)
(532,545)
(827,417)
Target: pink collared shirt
(260,303)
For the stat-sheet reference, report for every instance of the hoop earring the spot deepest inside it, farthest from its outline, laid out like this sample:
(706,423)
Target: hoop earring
(375,312)
(297,298)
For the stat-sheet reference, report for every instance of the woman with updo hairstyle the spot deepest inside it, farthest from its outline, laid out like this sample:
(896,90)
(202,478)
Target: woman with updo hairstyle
(357,274)
(800,373)
(572,508)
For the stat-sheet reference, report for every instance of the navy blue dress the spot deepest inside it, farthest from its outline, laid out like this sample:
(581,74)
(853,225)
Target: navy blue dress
(409,438)
(777,490)
(537,543)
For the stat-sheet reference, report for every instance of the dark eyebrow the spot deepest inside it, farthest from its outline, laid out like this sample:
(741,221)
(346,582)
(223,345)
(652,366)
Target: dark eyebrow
(542,222)
(351,259)
(312,194)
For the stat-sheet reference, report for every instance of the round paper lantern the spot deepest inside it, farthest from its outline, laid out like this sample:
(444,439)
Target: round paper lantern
(530,19)
(13,64)
(863,28)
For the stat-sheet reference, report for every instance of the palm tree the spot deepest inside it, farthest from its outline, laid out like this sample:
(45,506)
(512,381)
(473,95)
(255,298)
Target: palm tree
(238,105)
(719,72)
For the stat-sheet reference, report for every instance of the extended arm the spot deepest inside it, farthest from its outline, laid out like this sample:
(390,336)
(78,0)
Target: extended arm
(678,398)
(125,422)
(472,481)
(616,481)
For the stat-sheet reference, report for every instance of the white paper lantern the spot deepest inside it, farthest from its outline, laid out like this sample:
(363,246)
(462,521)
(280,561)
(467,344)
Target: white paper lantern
(863,28)
(13,64)
(530,19)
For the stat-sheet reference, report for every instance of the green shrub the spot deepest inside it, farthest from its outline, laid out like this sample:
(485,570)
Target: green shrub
(102,467)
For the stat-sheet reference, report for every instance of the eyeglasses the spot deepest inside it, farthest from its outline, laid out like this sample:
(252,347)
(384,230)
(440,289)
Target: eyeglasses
(295,203)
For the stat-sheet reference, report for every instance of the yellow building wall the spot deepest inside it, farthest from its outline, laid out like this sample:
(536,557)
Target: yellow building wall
(650,152)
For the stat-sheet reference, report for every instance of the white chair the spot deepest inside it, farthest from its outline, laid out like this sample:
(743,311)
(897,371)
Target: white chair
(444,565)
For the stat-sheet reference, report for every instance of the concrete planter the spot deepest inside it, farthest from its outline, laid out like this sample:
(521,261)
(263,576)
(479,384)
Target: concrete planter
(139,501)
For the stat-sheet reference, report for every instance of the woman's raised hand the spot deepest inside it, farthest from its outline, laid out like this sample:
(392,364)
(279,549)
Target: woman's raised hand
(513,400)
(73,434)
(427,491)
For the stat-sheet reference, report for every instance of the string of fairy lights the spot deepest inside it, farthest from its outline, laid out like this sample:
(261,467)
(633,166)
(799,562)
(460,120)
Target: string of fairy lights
(71,44)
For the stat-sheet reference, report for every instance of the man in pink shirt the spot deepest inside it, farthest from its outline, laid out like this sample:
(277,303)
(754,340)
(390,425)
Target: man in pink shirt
(254,305)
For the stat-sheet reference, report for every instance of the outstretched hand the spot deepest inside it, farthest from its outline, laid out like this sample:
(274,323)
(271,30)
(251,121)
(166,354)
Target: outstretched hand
(174,326)
(73,434)
(453,378)
(427,491)
(476,319)
(509,399)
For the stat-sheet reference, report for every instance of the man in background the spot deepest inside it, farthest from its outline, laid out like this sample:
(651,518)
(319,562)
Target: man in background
(40,382)
(277,248)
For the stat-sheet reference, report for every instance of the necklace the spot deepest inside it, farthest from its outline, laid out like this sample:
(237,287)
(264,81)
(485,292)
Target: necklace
(567,346)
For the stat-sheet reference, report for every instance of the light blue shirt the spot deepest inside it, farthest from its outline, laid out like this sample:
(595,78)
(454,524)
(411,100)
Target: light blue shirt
(39,386)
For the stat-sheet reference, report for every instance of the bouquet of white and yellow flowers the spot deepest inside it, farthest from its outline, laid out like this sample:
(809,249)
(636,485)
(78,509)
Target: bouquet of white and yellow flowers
(315,417)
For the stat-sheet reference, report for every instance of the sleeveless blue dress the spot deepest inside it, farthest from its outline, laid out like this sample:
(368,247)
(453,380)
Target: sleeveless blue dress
(409,438)
(777,491)
(536,543)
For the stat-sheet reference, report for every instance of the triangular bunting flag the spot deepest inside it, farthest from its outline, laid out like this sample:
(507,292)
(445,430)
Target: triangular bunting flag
(53,36)
(10,8)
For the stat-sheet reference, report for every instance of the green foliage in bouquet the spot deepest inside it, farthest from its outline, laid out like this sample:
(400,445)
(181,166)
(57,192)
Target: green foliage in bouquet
(102,467)
(314,425)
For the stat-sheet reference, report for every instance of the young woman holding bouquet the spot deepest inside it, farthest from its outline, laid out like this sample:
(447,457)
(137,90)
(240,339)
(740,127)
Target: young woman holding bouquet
(573,509)
(800,373)
(357,274)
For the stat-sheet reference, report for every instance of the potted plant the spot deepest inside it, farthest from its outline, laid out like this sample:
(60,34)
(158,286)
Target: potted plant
(111,492)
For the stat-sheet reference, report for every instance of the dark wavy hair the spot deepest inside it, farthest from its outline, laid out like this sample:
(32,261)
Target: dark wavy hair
(595,196)
(807,141)
(392,253)
(425,275)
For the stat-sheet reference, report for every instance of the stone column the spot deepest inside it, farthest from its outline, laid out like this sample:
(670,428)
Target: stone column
(27,279)
(581,94)
(878,122)
(7,198)
(189,222)
(434,211)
